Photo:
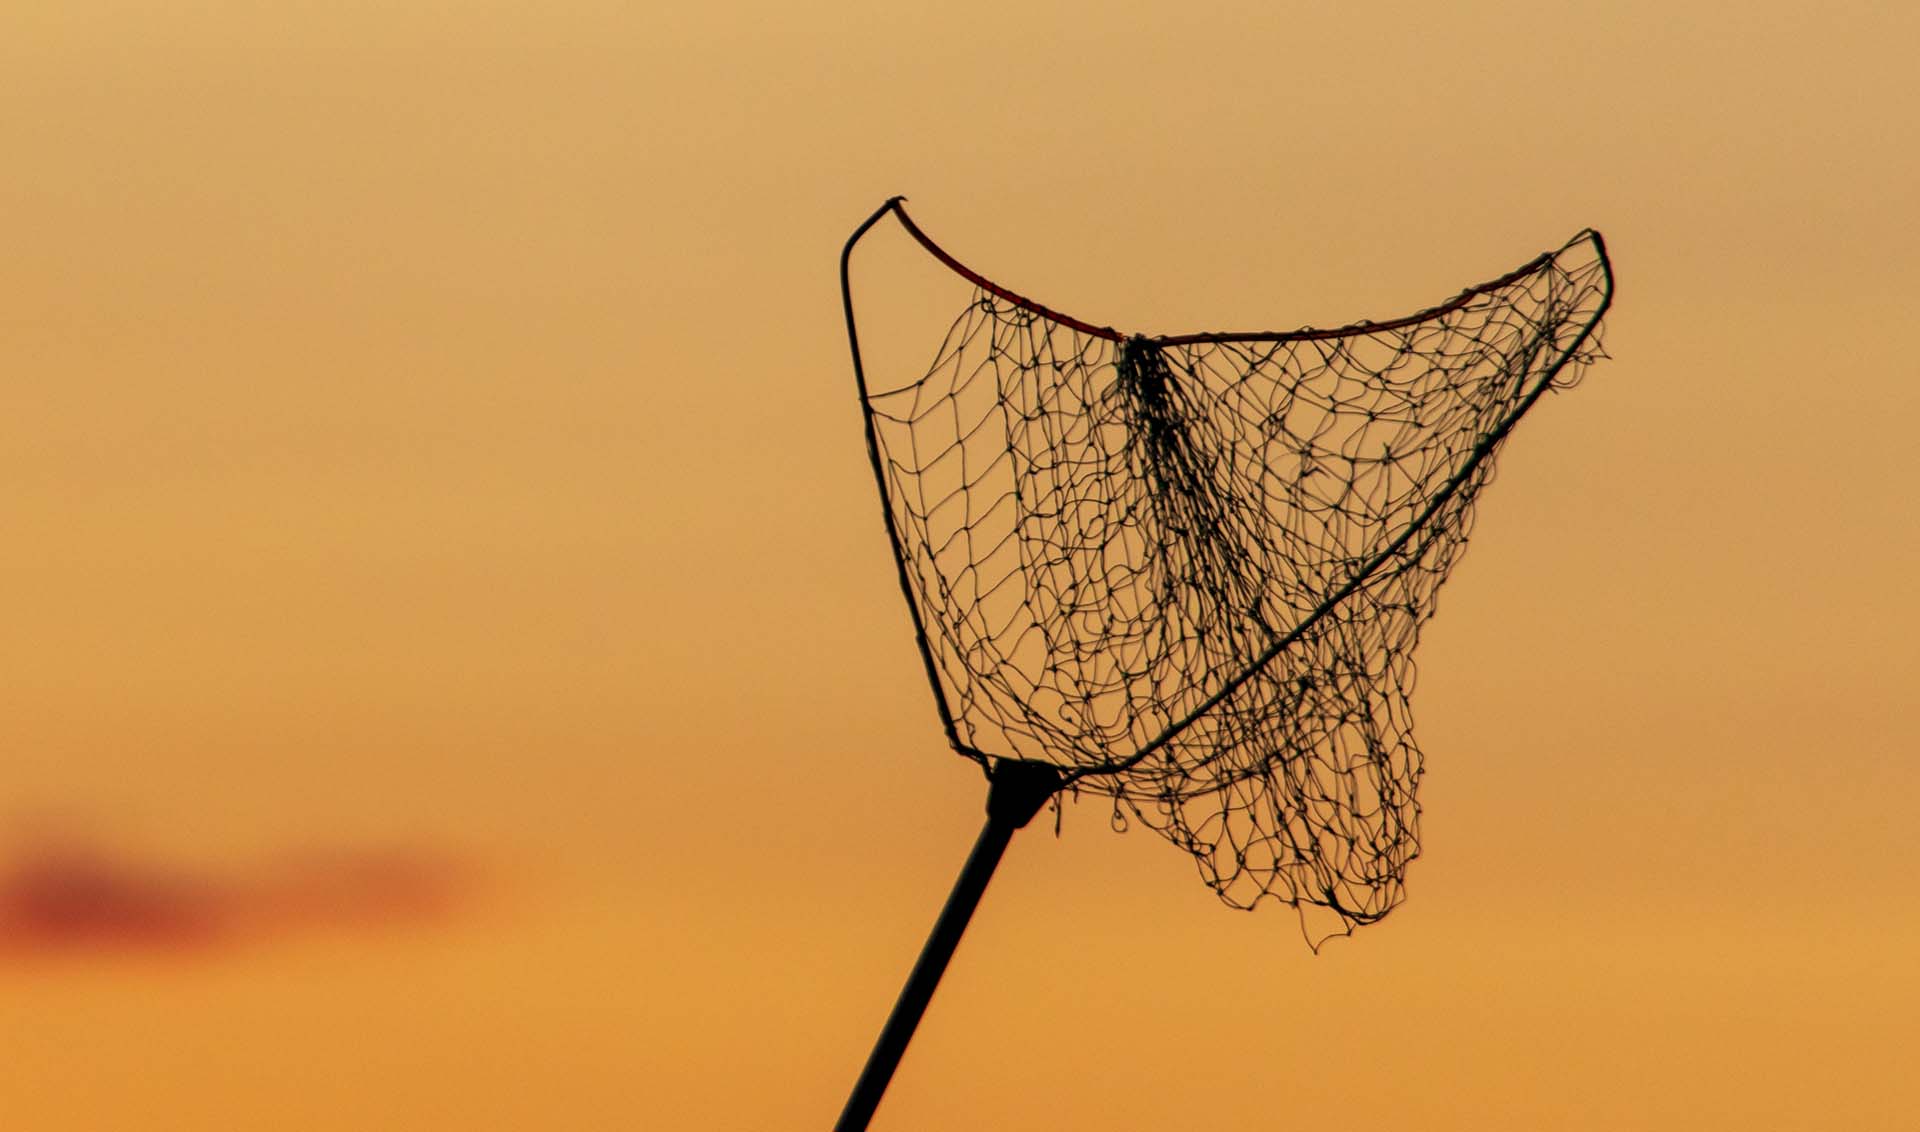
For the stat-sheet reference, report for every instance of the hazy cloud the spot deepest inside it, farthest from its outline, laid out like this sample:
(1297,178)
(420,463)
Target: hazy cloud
(84,898)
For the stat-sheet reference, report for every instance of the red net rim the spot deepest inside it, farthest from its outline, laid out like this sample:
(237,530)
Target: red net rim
(1305,334)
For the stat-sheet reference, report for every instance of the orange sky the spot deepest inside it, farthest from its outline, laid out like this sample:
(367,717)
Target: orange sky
(429,439)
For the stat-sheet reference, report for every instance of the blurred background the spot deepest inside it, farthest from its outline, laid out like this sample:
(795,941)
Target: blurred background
(453,676)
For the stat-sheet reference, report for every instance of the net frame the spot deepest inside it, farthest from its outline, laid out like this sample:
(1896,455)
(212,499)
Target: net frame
(1019,787)
(1342,847)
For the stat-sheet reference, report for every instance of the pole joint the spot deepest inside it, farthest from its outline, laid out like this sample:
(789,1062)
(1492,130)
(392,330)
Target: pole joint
(1017,789)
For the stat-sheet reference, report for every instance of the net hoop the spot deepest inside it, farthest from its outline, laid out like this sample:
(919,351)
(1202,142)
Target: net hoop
(1490,442)
(896,206)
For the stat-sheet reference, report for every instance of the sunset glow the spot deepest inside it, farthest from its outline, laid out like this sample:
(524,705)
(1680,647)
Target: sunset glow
(454,675)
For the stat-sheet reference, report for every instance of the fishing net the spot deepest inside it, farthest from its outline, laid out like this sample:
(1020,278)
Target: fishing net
(1189,571)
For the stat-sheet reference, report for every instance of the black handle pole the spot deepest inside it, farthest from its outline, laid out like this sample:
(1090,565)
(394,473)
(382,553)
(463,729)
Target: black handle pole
(1017,792)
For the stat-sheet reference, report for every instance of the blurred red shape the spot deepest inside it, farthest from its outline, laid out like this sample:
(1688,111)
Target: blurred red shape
(80,899)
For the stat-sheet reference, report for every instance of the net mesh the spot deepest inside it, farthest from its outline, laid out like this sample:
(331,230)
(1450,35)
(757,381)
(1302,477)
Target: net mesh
(1190,571)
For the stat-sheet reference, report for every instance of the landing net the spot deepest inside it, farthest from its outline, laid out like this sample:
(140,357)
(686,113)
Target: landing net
(1190,571)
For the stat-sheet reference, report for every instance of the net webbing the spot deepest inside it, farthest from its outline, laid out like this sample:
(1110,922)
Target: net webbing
(1190,571)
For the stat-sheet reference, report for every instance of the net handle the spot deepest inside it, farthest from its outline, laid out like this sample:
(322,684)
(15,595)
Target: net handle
(1016,792)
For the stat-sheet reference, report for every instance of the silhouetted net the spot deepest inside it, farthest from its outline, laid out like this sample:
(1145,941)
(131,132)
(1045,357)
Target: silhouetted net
(1190,571)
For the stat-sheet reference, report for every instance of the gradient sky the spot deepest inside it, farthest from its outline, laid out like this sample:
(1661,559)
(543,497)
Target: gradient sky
(453,665)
